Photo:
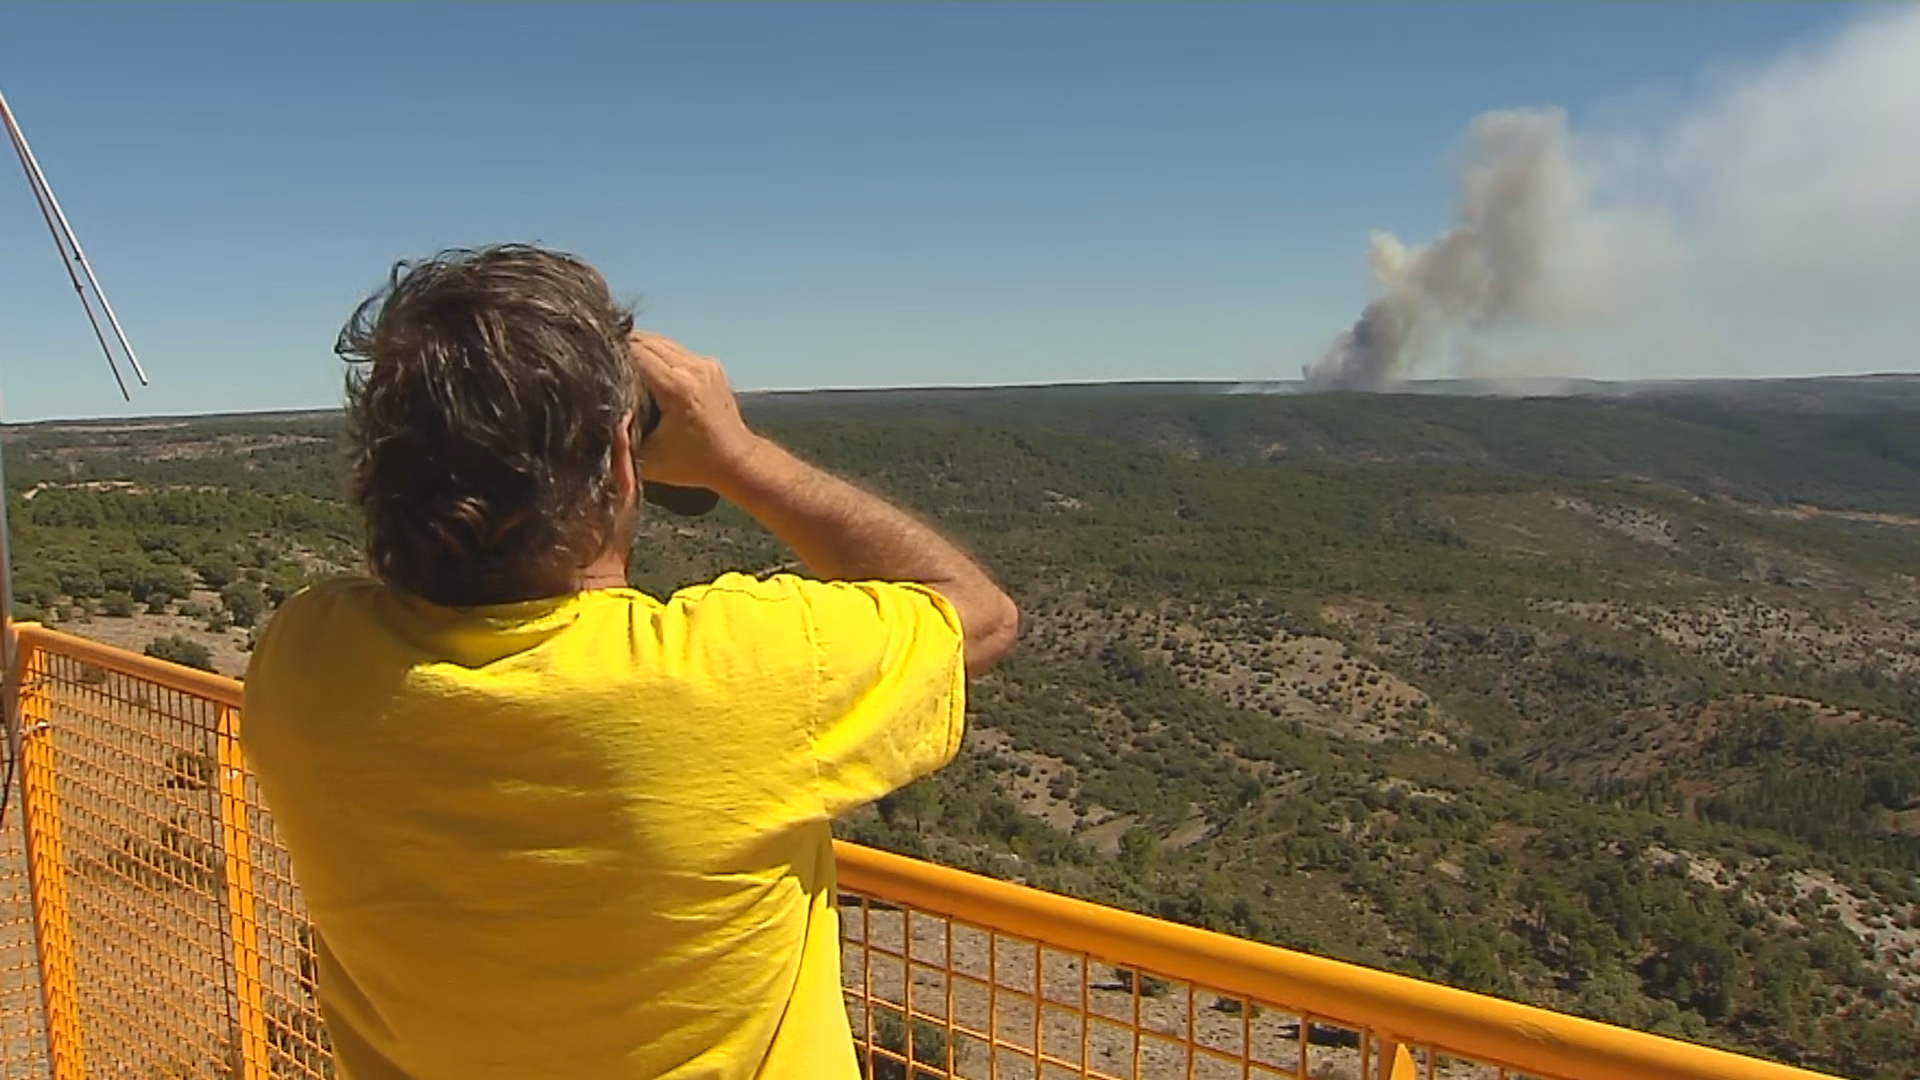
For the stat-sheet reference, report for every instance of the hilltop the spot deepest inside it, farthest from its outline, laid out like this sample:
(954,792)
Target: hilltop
(1607,701)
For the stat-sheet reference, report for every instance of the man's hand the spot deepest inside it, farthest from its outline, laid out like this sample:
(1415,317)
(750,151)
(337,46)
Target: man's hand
(702,441)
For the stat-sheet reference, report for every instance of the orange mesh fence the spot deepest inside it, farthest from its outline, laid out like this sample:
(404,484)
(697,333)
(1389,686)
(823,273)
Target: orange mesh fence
(171,940)
(170,932)
(963,1000)
(953,974)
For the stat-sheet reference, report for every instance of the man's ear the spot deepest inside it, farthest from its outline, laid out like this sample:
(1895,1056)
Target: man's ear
(626,472)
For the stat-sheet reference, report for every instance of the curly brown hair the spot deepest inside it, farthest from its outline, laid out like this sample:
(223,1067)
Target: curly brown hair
(481,410)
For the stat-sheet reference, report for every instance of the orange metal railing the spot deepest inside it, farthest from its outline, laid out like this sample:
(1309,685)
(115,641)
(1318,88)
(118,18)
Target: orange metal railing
(163,937)
(1035,983)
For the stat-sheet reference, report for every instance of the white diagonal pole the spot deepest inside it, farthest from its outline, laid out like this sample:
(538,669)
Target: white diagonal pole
(71,254)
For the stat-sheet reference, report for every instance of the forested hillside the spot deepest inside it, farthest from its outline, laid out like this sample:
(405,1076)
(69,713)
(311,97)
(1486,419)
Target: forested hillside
(1610,704)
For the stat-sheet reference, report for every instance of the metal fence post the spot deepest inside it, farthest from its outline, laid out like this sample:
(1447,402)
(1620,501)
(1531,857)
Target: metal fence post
(1395,1062)
(46,870)
(236,835)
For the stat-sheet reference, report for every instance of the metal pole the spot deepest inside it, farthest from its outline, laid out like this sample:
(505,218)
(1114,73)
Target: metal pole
(41,195)
(39,180)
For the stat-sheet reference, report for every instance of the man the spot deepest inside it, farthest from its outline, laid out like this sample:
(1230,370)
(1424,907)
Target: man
(547,825)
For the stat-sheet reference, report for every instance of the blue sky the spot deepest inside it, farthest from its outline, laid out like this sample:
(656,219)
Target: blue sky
(819,195)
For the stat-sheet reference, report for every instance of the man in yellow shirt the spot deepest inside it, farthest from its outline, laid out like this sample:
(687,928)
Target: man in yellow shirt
(547,825)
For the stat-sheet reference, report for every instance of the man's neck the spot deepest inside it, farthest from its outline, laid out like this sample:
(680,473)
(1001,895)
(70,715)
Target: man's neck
(609,571)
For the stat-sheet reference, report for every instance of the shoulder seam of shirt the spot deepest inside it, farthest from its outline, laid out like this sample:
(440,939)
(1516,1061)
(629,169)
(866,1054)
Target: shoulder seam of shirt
(717,586)
(813,709)
(729,589)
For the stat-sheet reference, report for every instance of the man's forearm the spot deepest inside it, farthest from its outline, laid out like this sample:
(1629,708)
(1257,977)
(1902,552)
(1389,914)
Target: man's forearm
(843,533)
(838,530)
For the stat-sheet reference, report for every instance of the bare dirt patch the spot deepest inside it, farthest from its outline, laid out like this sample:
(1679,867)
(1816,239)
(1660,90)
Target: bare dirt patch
(1195,828)
(1808,512)
(134,632)
(1103,833)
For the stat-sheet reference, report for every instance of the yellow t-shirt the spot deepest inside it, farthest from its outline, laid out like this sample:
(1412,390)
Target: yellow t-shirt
(589,837)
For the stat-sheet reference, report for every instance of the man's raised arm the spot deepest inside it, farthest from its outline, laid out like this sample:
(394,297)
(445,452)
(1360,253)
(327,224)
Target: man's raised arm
(839,531)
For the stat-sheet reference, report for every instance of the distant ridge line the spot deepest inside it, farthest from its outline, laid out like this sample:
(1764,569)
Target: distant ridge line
(1539,386)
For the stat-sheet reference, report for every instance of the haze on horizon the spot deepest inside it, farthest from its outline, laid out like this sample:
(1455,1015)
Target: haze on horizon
(917,195)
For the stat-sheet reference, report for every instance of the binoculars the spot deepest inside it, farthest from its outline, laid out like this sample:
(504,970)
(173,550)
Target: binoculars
(685,501)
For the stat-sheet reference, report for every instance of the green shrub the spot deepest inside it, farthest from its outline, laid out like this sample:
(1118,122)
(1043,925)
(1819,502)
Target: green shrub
(930,1048)
(217,570)
(183,651)
(244,601)
(1231,1006)
(1151,986)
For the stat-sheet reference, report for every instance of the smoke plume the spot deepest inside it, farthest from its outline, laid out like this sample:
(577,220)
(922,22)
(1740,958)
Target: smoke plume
(1770,222)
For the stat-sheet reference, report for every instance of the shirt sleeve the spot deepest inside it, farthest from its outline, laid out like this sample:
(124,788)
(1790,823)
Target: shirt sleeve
(891,683)
(864,683)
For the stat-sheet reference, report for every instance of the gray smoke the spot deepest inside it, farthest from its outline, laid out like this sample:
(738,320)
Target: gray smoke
(1519,196)
(1782,197)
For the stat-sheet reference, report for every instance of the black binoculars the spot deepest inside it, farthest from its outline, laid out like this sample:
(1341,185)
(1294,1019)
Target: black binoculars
(685,501)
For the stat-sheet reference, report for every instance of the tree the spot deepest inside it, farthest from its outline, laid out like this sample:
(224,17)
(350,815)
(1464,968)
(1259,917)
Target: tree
(931,1054)
(217,569)
(163,583)
(283,581)
(918,801)
(162,548)
(1474,965)
(35,588)
(244,601)
(179,650)
(79,581)
(1139,853)
(121,574)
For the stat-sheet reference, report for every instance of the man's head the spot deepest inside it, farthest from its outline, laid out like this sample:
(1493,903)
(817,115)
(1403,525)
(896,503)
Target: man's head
(492,420)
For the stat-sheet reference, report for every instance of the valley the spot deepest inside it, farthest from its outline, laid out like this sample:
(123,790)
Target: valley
(1609,703)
